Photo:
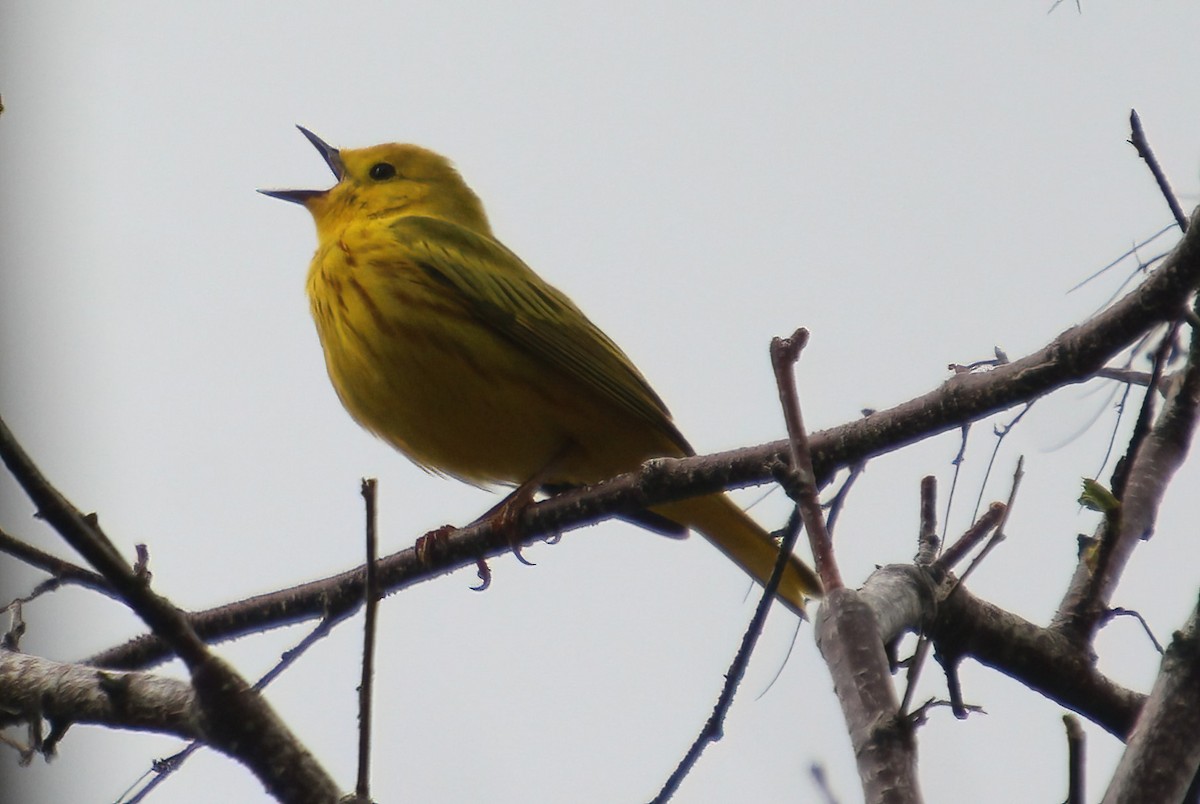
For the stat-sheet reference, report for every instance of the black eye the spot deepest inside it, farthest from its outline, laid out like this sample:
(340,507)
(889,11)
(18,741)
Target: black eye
(382,170)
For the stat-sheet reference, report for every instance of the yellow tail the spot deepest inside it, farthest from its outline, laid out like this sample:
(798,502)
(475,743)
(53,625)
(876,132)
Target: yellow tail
(738,536)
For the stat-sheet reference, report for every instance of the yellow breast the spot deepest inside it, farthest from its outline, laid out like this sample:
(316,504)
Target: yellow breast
(413,366)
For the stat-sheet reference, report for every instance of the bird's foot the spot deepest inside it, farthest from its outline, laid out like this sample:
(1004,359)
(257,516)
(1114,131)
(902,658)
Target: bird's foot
(429,547)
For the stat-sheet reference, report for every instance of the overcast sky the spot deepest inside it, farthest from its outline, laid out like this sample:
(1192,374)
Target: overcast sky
(915,183)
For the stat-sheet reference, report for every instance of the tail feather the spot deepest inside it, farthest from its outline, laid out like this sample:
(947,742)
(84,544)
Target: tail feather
(719,520)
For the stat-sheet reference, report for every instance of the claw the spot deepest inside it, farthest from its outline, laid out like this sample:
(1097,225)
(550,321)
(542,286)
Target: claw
(485,575)
(506,516)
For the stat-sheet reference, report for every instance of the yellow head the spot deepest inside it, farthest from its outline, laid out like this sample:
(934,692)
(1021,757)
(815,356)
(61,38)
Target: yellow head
(386,181)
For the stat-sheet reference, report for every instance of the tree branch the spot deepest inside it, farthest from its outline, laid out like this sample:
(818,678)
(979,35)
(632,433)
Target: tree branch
(1042,659)
(236,719)
(1074,356)
(847,630)
(1152,465)
(35,688)
(1163,752)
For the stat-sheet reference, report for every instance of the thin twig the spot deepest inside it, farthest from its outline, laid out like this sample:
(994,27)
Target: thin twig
(1142,267)
(1139,141)
(714,727)
(821,780)
(784,353)
(239,723)
(928,545)
(363,787)
(940,565)
(1119,611)
(971,537)
(921,713)
(998,535)
(1057,3)
(928,542)
(847,630)
(1000,431)
(838,502)
(1076,743)
(1133,250)
(163,768)
(1141,427)
(927,549)
(1125,375)
(914,674)
(957,464)
(995,517)
(954,688)
(63,572)
(1116,428)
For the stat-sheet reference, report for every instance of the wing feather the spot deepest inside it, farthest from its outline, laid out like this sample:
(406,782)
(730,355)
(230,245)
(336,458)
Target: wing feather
(503,293)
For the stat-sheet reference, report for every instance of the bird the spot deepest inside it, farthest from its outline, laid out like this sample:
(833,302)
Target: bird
(442,342)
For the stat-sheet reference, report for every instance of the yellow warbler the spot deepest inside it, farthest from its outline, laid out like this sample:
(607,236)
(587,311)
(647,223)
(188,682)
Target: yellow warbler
(441,341)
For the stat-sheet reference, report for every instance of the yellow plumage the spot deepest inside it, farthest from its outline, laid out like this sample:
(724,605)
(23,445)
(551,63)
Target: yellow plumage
(441,341)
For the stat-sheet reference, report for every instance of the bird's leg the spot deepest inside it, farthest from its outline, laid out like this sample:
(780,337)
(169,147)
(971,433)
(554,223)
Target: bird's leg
(507,513)
(505,516)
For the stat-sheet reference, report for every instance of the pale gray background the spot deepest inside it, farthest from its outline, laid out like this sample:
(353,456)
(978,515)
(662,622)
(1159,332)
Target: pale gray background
(914,183)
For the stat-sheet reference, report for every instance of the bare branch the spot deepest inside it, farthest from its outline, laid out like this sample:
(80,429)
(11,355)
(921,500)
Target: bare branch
(1042,659)
(362,790)
(998,535)
(836,504)
(62,572)
(784,353)
(972,536)
(1162,754)
(928,542)
(163,768)
(1139,141)
(847,630)
(236,719)
(1072,357)
(1076,742)
(714,727)
(35,688)
(849,639)
(1158,456)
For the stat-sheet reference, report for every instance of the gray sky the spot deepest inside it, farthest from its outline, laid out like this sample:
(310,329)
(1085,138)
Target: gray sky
(915,184)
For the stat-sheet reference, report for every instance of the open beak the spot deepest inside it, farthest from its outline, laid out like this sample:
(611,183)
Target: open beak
(331,157)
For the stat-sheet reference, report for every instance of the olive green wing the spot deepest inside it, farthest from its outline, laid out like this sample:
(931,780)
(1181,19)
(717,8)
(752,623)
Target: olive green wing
(503,293)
